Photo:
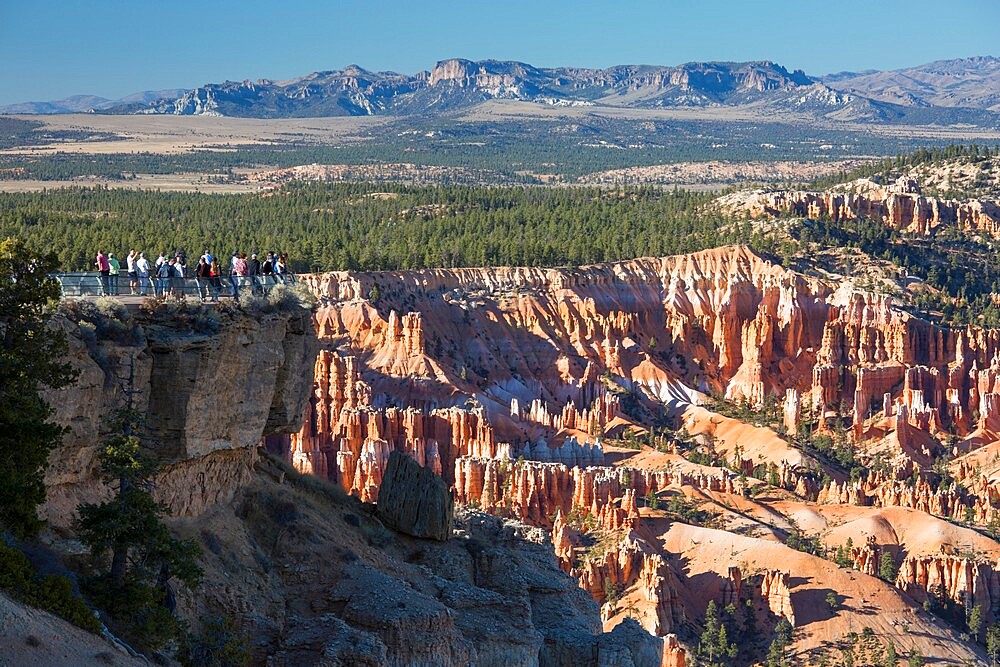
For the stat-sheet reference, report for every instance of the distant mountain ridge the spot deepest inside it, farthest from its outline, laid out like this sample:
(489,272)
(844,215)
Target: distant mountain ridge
(458,83)
(960,91)
(88,103)
(965,82)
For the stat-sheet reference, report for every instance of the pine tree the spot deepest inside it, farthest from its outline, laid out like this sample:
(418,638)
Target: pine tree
(127,534)
(975,620)
(32,358)
(993,643)
(887,569)
(714,645)
(782,638)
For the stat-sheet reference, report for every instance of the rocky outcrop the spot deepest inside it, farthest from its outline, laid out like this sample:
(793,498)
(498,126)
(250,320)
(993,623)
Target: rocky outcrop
(535,492)
(866,557)
(965,581)
(208,399)
(491,596)
(900,206)
(629,644)
(415,501)
(774,590)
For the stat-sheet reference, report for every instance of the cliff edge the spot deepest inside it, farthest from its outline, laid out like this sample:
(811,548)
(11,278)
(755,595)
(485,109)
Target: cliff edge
(212,384)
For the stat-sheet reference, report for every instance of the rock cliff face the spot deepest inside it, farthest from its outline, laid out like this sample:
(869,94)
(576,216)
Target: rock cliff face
(413,500)
(496,361)
(312,575)
(966,581)
(514,384)
(209,398)
(900,206)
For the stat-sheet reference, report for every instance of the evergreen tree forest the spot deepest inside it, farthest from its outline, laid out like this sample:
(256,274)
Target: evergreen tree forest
(371,226)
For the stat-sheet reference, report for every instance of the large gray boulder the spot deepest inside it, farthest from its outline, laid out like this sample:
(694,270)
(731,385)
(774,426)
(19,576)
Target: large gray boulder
(415,501)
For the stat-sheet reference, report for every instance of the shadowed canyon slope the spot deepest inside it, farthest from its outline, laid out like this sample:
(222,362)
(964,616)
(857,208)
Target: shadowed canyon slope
(520,387)
(308,573)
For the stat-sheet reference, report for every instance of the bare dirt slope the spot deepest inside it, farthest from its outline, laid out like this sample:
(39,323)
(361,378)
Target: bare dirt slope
(33,637)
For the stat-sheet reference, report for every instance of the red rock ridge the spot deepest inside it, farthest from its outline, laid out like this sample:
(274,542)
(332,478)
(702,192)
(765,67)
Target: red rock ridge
(899,208)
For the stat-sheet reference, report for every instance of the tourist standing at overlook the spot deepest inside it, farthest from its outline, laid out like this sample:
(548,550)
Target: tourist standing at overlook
(164,278)
(113,271)
(253,270)
(234,280)
(237,269)
(179,275)
(267,268)
(281,268)
(105,269)
(215,279)
(203,273)
(133,273)
(142,269)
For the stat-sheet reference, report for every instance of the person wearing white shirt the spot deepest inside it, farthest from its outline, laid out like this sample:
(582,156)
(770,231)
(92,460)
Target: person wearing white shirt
(142,267)
(133,275)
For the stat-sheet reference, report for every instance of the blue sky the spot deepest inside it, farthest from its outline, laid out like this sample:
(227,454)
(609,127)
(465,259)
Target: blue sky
(111,48)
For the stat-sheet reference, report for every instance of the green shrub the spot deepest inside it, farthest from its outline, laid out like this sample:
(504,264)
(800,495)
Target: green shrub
(107,318)
(219,644)
(136,611)
(51,593)
(55,594)
(280,298)
(15,571)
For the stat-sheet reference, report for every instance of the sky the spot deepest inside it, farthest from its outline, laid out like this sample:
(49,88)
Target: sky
(52,49)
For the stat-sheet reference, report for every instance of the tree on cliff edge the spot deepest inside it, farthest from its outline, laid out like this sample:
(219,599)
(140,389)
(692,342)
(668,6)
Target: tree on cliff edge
(126,534)
(31,358)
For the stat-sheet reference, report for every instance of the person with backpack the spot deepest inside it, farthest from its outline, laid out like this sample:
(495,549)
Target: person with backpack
(203,273)
(164,275)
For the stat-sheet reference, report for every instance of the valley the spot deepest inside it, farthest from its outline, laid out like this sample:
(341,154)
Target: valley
(689,365)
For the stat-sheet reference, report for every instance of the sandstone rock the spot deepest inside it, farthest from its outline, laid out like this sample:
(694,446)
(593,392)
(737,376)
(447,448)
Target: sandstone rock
(898,207)
(964,581)
(629,645)
(866,557)
(776,593)
(209,399)
(413,500)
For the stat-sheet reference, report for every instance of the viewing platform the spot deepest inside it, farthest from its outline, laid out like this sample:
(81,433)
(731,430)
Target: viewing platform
(91,285)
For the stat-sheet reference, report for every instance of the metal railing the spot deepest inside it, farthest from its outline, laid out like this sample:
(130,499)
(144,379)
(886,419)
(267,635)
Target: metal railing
(91,284)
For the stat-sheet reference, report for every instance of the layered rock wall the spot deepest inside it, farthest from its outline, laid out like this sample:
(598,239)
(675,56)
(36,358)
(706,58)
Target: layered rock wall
(208,399)
(903,210)
(949,577)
